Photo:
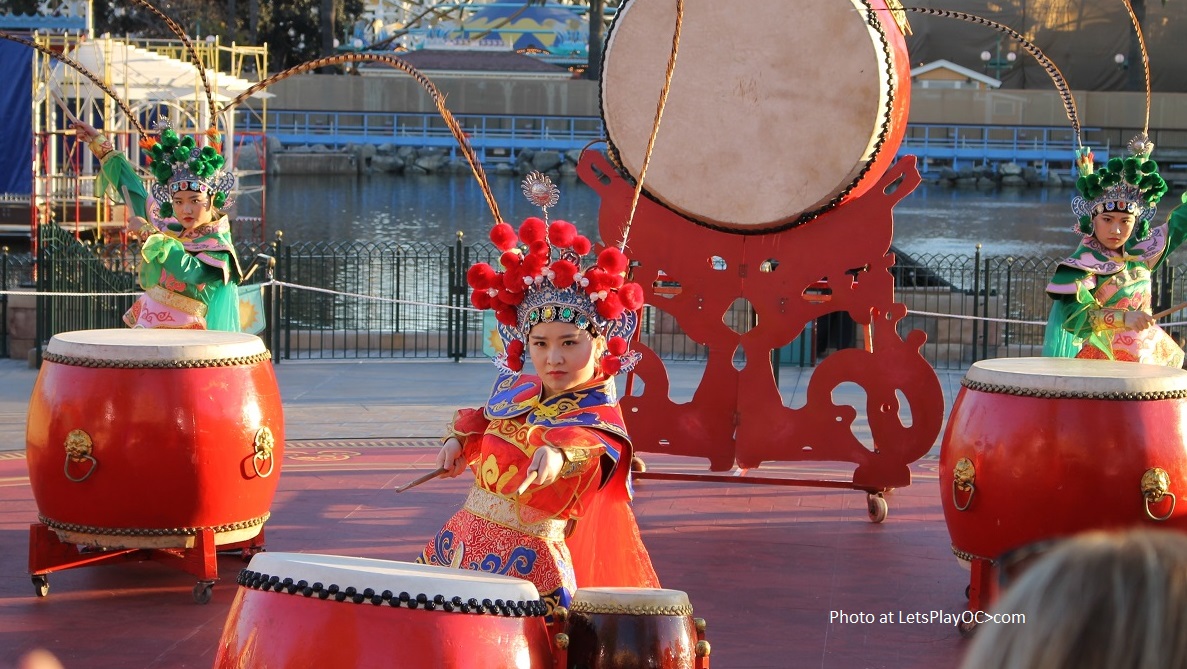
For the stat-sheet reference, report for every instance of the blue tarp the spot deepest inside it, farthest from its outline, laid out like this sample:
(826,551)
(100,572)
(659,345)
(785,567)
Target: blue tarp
(16,118)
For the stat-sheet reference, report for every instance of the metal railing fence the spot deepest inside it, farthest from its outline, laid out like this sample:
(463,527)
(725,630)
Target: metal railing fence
(334,300)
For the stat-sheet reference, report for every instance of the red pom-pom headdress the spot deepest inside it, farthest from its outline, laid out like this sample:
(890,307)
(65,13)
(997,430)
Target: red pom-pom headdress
(546,276)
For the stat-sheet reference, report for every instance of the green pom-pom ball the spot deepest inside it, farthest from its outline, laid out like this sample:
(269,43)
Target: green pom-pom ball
(1086,224)
(220,198)
(169,138)
(167,210)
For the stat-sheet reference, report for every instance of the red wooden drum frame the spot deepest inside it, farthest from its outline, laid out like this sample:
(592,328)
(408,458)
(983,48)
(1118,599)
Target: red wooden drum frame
(152,440)
(760,130)
(632,628)
(304,610)
(1041,448)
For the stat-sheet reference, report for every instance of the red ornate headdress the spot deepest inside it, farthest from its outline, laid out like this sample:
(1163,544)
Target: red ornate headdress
(549,273)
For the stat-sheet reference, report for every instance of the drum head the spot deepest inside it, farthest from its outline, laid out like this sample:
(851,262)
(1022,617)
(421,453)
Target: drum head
(776,107)
(140,344)
(618,600)
(380,575)
(1076,377)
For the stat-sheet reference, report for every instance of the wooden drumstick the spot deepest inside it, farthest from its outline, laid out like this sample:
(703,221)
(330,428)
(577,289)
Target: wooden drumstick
(526,482)
(1168,312)
(66,110)
(427,477)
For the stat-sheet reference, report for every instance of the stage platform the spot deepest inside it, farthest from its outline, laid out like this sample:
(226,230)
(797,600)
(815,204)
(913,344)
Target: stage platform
(771,568)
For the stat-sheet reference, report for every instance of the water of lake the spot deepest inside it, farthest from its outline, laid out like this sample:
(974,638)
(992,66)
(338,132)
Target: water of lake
(932,220)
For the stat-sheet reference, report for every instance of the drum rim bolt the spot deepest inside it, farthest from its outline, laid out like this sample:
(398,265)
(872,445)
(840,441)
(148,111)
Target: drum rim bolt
(263,444)
(963,476)
(1156,485)
(78,447)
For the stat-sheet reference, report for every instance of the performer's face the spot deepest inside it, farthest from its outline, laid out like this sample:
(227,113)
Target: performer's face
(192,208)
(1112,228)
(563,355)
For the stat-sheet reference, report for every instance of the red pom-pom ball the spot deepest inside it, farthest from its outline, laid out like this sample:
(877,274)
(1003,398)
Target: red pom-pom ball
(533,230)
(616,345)
(562,233)
(581,245)
(611,307)
(611,365)
(515,349)
(480,299)
(612,260)
(598,280)
(511,298)
(507,317)
(503,236)
(513,281)
(510,260)
(539,248)
(480,276)
(533,264)
(565,272)
(631,295)
(514,364)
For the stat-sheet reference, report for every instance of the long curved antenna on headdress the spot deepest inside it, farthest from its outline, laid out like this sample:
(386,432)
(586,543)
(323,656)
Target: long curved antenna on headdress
(659,113)
(73,64)
(1137,28)
(438,100)
(1061,86)
(189,47)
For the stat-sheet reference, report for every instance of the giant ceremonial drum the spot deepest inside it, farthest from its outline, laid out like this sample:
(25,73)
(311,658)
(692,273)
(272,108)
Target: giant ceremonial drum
(306,610)
(1041,448)
(144,438)
(777,108)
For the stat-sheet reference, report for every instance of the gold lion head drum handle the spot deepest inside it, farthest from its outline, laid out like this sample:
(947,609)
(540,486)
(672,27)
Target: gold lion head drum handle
(1156,484)
(264,443)
(963,475)
(78,449)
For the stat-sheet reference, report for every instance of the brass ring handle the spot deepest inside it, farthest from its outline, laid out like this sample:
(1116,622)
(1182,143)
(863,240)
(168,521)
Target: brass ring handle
(1168,513)
(78,449)
(1156,484)
(971,488)
(263,444)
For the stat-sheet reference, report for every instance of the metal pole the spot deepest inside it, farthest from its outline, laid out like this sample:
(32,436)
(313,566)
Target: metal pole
(976,296)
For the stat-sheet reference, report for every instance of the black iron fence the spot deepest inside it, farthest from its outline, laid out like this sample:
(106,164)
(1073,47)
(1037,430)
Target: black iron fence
(385,300)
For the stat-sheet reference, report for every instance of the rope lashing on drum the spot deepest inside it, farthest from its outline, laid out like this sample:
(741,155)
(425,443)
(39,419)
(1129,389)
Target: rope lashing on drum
(1137,28)
(456,604)
(434,93)
(659,114)
(75,65)
(435,305)
(1061,85)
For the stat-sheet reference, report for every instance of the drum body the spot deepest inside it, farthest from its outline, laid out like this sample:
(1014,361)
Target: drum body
(296,610)
(777,111)
(142,438)
(1040,448)
(630,628)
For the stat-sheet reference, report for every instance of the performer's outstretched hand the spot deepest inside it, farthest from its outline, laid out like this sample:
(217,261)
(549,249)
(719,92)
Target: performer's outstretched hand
(1138,320)
(546,465)
(85,131)
(450,458)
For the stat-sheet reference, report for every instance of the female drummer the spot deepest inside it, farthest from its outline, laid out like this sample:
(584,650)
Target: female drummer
(188,268)
(550,452)
(1102,292)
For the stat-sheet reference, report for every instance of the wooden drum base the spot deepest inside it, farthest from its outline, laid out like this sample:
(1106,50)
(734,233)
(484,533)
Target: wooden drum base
(49,553)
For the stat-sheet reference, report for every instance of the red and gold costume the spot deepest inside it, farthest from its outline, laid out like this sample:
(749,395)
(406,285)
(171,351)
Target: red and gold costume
(547,534)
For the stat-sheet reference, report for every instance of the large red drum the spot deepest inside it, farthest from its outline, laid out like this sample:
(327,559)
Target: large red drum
(1041,448)
(144,438)
(633,628)
(332,612)
(778,110)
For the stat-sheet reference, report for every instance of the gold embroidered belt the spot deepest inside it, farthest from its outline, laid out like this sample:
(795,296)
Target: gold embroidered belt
(502,511)
(178,301)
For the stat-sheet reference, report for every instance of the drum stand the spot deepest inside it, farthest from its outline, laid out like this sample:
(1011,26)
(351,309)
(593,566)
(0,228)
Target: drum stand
(785,279)
(48,554)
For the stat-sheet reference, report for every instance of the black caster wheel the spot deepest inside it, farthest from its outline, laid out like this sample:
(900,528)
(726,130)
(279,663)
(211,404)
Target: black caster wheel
(41,585)
(877,507)
(203,591)
(968,590)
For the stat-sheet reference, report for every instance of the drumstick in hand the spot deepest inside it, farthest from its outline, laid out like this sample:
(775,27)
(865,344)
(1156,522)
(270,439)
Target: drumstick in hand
(427,477)
(526,482)
(1168,312)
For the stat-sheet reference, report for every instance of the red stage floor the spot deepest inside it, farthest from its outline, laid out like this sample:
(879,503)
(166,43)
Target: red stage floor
(766,566)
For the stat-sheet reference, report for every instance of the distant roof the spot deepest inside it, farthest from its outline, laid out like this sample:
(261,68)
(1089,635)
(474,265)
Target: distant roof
(477,61)
(963,71)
